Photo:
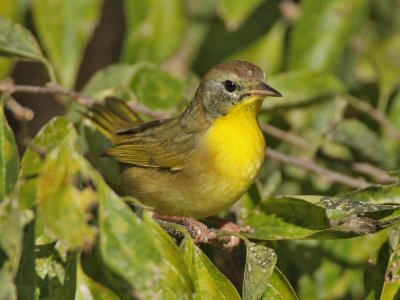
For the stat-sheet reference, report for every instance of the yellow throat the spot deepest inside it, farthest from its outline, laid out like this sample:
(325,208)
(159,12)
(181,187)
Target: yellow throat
(237,144)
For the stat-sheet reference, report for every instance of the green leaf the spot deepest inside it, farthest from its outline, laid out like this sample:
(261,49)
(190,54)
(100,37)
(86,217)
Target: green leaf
(65,28)
(87,288)
(55,275)
(260,263)
(391,286)
(61,201)
(7,291)
(358,136)
(157,88)
(140,251)
(376,194)
(144,81)
(9,160)
(387,62)
(154,29)
(278,288)
(17,41)
(13,10)
(11,225)
(209,282)
(357,202)
(323,31)
(110,81)
(285,218)
(301,87)
(26,271)
(58,131)
(234,12)
(268,51)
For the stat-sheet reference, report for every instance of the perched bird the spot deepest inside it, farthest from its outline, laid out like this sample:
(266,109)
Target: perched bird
(199,163)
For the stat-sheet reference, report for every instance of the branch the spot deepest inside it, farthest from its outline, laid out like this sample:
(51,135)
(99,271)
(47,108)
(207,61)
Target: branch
(20,112)
(378,174)
(286,136)
(309,165)
(376,115)
(49,89)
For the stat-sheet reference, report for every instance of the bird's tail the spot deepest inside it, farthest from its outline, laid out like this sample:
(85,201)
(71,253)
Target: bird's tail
(112,116)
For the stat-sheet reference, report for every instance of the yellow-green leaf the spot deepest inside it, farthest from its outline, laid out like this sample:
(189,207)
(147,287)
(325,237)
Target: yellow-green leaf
(209,282)
(65,28)
(155,29)
(9,160)
(63,205)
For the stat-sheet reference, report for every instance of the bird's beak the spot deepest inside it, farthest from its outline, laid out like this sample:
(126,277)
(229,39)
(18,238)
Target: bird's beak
(265,90)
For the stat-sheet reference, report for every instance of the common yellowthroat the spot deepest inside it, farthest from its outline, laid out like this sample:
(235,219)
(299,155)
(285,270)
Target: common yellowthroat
(200,162)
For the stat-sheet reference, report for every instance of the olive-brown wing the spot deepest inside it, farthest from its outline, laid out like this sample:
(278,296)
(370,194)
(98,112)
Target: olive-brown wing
(158,144)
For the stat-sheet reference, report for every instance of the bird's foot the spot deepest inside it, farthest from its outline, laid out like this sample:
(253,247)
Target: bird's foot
(197,230)
(200,233)
(231,241)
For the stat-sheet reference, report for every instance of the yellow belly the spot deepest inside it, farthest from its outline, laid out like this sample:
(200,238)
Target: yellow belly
(235,151)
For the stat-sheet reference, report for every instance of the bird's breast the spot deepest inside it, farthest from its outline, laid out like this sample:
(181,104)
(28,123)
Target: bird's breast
(235,148)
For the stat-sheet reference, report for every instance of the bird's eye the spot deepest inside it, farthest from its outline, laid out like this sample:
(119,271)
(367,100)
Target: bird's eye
(230,86)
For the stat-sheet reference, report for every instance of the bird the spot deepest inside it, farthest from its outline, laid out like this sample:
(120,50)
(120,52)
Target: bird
(199,163)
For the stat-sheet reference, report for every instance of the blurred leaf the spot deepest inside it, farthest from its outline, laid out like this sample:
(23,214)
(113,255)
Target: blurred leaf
(268,51)
(155,29)
(26,271)
(110,81)
(387,61)
(374,273)
(300,87)
(140,251)
(62,202)
(65,28)
(145,82)
(9,160)
(58,131)
(234,12)
(157,88)
(56,276)
(278,288)
(11,224)
(97,145)
(323,31)
(209,282)
(7,291)
(17,41)
(13,10)
(260,263)
(87,288)
(391,286)
(358,136)
(393,145)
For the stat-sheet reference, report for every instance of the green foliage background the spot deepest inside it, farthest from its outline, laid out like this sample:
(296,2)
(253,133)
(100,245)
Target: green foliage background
(66,233)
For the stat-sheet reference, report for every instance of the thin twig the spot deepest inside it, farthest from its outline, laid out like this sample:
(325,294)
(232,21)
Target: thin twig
(142,109)
(20,112)
(49,89)
(286,136)
(376,115)
(378,174)
(313,167)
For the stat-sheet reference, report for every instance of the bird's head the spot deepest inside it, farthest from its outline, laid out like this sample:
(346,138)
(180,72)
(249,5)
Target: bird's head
(230,84)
